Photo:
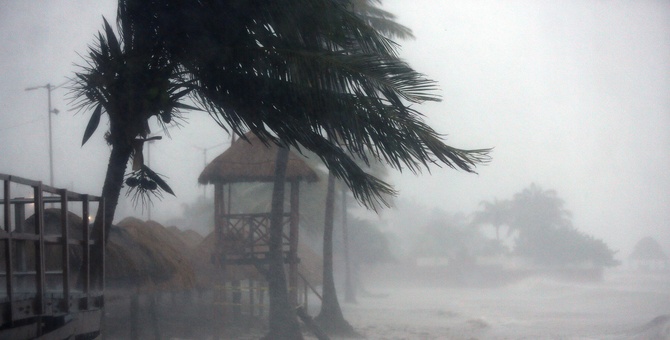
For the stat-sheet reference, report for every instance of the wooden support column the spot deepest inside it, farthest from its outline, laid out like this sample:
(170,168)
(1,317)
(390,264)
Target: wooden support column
(218,214)
(40,278)
(9,270)
(293,242)
(219,225)
(65,248)
(86,253)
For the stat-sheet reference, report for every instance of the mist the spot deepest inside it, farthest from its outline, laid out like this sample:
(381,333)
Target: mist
(572,96)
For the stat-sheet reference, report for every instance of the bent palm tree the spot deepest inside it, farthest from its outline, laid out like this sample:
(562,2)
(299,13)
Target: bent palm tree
(291,71)
(496,213)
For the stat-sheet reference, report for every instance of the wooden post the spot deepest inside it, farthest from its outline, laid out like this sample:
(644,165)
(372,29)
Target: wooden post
(218,214)
(8,249)
(86,252)
(134,316)
(236,292)
(153,306)
(251,299)
(65,248)
(101,283)
(293,242)
(39,248)
(262,287)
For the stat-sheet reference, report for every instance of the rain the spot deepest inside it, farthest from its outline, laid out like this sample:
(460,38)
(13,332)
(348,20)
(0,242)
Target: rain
(572,98)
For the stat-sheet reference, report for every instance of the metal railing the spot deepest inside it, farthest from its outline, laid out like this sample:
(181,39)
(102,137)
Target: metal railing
(31,288)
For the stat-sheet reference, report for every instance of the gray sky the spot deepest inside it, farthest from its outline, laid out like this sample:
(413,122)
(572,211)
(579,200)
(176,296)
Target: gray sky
(573,95)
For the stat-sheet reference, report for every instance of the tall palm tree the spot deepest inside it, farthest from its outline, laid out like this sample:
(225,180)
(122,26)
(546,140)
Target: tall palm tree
(330,316)
(496,213)
(291,71)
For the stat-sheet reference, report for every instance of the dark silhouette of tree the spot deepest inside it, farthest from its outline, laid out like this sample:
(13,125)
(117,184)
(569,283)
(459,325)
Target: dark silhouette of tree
(534,211)
(330,317)
(496,213)
(648,252)
(292,72)
(546,234)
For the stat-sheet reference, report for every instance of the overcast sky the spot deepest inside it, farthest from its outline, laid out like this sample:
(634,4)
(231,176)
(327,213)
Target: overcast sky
(573,95)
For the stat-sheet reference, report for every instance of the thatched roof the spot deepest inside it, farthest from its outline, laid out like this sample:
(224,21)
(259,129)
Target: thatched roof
(148,256)
(138,255)
(253,161)
(190,237)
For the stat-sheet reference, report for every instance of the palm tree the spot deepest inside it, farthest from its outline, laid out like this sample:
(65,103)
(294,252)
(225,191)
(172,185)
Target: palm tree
(330,316)
(496,213)
(286,70)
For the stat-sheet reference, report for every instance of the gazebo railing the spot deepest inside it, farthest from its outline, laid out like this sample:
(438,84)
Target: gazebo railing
(245,237)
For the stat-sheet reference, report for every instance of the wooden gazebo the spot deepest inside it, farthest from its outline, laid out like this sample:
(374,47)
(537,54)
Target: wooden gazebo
(243,238)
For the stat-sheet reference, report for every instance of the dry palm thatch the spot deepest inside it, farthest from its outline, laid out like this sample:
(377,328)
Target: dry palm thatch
(147,256)
(190,237)
(252,161)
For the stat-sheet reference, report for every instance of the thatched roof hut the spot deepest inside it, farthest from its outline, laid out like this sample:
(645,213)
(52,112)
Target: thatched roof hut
(147,256)
(253,161)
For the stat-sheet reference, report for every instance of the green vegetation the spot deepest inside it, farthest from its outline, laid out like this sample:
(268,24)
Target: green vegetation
(545,234)
(295,73)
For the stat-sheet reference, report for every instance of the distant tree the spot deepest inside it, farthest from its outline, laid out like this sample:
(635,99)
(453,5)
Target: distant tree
(496,213)
(535,209)
(369,245)
(546,234)
(648,252)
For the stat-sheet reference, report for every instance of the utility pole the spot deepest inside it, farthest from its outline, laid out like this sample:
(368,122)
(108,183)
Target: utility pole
(49,88)
(204,155)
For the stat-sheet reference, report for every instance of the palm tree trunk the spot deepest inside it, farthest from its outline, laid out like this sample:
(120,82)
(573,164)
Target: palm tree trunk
(283,320)
(349,289)
(111,190)
(330,318)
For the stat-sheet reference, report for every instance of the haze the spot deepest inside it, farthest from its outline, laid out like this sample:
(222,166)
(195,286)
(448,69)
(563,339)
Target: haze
(573,95)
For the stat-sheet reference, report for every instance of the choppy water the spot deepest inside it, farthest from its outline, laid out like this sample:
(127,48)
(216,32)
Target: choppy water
(625,305)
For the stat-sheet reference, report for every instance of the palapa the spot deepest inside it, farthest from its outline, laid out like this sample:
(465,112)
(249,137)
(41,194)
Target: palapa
(253,161)
(148,256)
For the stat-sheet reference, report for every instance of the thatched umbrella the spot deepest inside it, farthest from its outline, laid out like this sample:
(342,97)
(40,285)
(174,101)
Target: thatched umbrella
(253,161)
(145,255)
(190,237)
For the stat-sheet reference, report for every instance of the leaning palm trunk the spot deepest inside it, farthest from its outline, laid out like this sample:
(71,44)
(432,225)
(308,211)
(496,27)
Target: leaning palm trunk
(331,318)
(283,320)
(349,289)
(111,190)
